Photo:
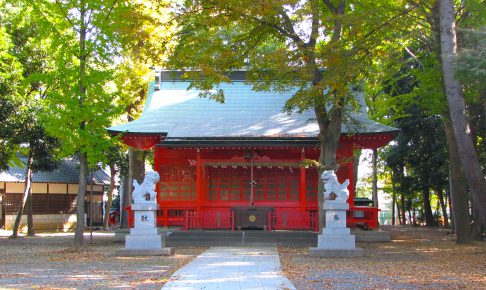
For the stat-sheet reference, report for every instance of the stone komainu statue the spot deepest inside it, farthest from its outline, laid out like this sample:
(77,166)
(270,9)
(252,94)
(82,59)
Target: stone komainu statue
(333,190)
(144,192)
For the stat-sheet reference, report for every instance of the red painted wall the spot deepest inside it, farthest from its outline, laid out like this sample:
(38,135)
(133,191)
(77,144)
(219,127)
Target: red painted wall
(225,177)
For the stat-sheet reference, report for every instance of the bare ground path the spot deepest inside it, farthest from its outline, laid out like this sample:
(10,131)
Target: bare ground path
(50,262)
(417,258)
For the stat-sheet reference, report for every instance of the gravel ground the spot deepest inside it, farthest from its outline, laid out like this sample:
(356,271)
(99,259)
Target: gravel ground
(50,262)
(417,258)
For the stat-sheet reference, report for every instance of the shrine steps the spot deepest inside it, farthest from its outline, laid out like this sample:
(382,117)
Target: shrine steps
(241,238)
(208,238)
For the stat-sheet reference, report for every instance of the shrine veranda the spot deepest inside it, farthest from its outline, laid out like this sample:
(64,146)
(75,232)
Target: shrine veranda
(238,165)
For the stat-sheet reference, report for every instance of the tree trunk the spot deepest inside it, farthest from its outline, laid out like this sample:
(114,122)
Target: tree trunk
(83,157)
(443,206)
(399,213)
(458,190)
(329,133)
(109,201)
(429,217)
(25,195)
(80,200)
(124,202)
(457,109)
(394,201)
(477,227)
(136,171)
(136,166)
(402,201)
(30,214)
(374,181)
(411,217)
(453,224)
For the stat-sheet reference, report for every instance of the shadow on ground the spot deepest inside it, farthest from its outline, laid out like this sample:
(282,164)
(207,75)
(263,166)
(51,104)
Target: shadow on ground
(416,258)
(51,262)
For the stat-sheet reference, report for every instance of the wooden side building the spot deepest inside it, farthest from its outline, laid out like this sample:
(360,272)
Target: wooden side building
(53,196)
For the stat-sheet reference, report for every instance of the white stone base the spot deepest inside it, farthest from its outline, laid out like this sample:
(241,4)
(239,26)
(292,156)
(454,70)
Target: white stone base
(144,235)
(143,231)
(144,242)
(336,242)
(336,231)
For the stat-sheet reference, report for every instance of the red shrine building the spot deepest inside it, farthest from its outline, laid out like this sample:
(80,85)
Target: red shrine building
(238,164)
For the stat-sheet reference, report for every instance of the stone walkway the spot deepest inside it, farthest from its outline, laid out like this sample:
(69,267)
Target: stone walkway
(232,268)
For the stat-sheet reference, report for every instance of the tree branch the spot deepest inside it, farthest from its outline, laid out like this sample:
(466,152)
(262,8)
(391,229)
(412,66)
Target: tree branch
(330,6)
(287,31)
(249,47)
(108,14)
(338,22)
(89,29)
(290,28)
(315,24)
(385,23)
(54,28)
(66,15)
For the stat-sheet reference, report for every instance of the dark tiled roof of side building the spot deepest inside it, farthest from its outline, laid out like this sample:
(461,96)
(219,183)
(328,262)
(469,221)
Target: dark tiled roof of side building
(66,172)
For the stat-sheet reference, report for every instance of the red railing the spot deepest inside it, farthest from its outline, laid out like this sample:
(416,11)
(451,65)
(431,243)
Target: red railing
(293,220)
(277,220)
(172,216)
(364,215)
(214,219)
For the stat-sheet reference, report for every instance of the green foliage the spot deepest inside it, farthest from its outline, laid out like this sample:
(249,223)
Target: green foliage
(418,159)
(279,47)
(471,63)
(471,71)
(117,156)
(50,78)
(10,78)
(82,99)
(23,133)
(134,78)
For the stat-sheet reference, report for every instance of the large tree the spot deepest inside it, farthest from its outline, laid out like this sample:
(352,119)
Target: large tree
(134,76)
(320,47)
(85,38)
(10,98)
(23,131)
(471,71)
(457,108)
(422,47)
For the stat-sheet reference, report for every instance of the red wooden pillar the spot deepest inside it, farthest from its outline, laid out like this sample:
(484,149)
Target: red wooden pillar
(166,217)
(302,187)
(198,180)
(351,183)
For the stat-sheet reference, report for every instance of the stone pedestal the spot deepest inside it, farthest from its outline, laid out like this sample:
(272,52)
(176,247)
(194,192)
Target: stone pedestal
(144,239)
(336,240)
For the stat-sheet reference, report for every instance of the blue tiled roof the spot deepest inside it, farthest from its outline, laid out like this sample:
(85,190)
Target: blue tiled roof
(181,113)
(66,172)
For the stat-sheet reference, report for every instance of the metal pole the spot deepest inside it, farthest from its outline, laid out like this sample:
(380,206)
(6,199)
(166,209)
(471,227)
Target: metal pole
(91,211)
(252,182)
